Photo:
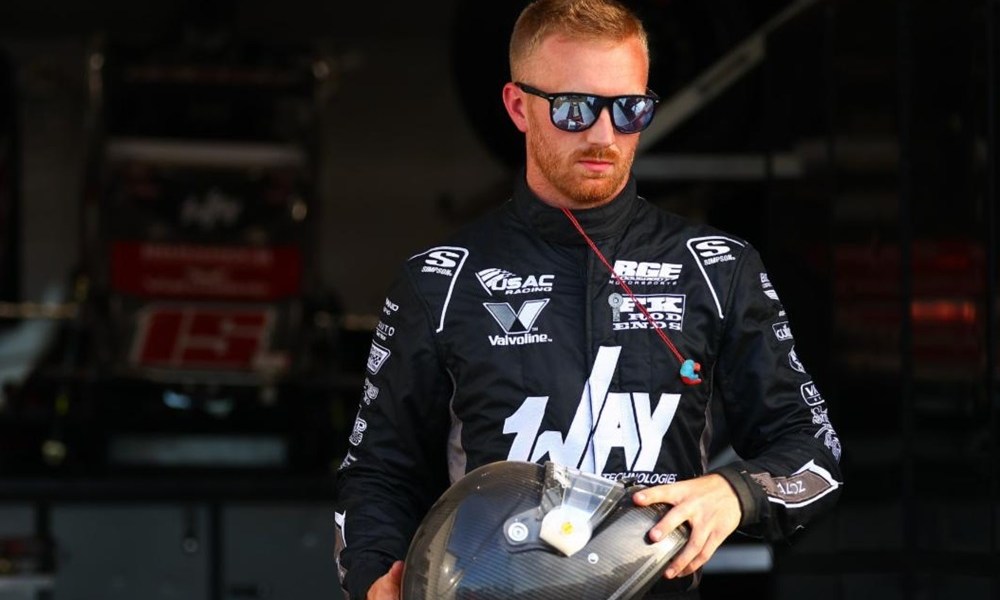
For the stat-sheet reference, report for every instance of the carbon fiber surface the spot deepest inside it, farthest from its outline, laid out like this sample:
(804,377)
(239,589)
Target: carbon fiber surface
(473,545)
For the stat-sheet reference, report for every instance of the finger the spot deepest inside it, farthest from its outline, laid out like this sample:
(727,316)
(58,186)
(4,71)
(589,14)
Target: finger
(669,494)
(695,545)
(700,558)
(396,572)
(669,522)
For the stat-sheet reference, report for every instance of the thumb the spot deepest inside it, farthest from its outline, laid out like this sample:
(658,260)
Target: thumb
(396,572)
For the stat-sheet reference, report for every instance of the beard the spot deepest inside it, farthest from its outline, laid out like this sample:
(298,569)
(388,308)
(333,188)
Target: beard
(586,190)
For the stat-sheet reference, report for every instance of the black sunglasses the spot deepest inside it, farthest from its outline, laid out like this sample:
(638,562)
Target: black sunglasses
(576,111)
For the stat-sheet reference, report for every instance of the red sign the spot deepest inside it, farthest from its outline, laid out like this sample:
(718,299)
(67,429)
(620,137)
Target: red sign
(151,270)
(200,337)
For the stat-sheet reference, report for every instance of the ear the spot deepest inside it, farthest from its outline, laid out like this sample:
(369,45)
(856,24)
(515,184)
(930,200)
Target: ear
(513,101)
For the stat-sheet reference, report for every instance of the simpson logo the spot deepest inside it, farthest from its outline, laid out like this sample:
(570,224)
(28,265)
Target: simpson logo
(782,331)
(666,310)
(647,272)
(517,326)
(443,260)
(714,250)
(499,280)
(709,251)
(794,362)
(810,394)
(377,357)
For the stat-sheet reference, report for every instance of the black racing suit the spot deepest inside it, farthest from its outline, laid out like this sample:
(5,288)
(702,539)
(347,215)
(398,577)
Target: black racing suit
(513,341)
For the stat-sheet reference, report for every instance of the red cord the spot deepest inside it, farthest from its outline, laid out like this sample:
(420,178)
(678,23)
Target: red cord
(624,286)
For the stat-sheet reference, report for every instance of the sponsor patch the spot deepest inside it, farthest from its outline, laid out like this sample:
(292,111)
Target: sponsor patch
(442,261)
(607,423)
(769,291)
(665,310)
(349,459)
(810,394)
(518,326)
(830,439)
(649,273)
(782,331)
(504,282)
(377,357)
(794,362)
(389,307)
(384,331)
(358,432)
(714,250)
(369,392)
(808,484)
(643,477)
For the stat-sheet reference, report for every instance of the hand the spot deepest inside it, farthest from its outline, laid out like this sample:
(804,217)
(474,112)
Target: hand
(710,507)
(387,587)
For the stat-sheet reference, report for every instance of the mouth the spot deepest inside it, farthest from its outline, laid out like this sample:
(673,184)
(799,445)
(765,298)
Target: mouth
(596,165)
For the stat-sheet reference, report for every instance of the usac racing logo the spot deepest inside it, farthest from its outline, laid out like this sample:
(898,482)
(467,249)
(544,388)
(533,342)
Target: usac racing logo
(502,281)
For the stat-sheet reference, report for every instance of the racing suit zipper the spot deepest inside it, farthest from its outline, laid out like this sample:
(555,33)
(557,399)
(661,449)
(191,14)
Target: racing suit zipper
(588,324)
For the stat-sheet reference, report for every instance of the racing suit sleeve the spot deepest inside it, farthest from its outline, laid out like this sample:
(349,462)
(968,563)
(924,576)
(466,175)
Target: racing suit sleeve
(395,466)
(789,469)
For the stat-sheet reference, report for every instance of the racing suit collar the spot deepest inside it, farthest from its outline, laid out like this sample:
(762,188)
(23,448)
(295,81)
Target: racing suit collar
(602,222)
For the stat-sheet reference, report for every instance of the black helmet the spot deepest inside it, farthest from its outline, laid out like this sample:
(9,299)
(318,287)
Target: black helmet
(513,530)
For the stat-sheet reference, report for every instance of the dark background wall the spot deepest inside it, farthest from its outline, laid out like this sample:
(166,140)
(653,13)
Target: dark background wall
(855,146)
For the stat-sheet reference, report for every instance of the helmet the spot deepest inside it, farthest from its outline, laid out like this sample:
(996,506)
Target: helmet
(514,530)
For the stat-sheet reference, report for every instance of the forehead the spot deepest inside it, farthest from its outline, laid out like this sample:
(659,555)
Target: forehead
(601,66)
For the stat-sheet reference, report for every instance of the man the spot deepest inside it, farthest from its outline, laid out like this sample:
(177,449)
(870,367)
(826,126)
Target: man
(580,324)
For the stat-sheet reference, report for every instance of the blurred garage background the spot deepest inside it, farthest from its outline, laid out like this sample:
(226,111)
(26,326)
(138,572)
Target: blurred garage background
(202,203)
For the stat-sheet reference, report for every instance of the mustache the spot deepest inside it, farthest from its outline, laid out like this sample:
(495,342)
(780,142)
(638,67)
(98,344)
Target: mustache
(609,153)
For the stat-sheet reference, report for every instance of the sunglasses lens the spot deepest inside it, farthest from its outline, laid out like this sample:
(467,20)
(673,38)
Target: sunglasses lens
(632,114)
(573,113)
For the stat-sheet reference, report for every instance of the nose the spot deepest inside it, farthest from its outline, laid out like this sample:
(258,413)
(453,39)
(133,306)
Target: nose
(602,132)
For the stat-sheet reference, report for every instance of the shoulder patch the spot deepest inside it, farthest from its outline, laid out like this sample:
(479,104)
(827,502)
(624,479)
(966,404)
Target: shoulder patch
(437,269)
(709,251)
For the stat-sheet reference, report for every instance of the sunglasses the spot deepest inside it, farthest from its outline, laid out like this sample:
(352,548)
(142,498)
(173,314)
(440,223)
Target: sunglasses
(575,111)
